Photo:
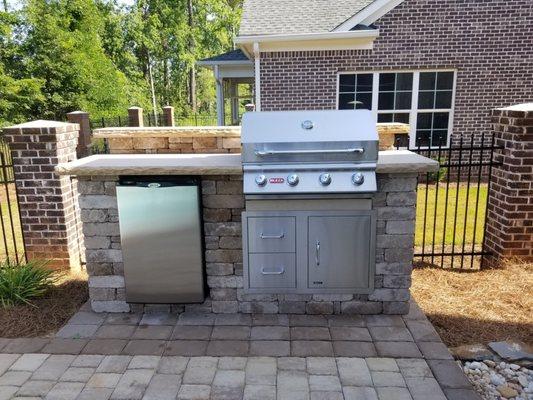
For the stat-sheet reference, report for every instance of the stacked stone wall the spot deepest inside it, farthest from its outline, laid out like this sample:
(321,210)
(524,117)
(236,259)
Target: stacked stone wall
(223,203)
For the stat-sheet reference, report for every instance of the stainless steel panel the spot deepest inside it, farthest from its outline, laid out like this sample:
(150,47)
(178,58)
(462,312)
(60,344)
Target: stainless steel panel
(271,234)
(310,151)
(161,243)
(339,251)
(277,182)
(272,270)
(302,204)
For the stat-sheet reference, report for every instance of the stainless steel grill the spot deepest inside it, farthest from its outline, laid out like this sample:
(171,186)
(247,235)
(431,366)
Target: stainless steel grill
(309,152)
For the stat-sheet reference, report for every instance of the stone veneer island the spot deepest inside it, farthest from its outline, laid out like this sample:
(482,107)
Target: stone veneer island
(222,204)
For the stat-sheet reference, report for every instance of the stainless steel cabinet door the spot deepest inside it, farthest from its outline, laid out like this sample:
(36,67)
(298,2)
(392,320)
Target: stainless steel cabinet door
(339,251)
(161,244)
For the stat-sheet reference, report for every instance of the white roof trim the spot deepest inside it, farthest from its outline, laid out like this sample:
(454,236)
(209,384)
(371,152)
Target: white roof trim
(297,37)
(352,40)
(369,14)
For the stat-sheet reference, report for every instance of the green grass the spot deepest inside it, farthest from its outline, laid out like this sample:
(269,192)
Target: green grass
(448,199)
(7,231)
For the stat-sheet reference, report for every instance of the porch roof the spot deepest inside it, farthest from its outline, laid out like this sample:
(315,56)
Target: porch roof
(233,57)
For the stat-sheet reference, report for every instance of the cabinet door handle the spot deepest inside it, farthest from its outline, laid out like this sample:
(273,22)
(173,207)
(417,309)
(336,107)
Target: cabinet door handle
(280,236)
(278,272)
(317,254)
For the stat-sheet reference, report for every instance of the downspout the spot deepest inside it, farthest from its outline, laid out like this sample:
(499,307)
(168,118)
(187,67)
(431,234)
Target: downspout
(257,60)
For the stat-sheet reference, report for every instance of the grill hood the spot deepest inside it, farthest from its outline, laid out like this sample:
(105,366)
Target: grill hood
(305,152)
(309,137)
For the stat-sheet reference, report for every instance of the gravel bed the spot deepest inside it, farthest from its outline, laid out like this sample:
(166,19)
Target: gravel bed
(500,380)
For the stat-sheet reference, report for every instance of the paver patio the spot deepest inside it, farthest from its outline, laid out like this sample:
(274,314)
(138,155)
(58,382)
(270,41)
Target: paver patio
(234,356)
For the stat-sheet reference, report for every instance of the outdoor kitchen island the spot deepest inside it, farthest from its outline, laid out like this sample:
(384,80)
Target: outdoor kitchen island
(222,205)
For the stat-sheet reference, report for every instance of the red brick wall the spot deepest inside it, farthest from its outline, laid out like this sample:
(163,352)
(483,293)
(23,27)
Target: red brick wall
(510,212)
(47,202)
(486,41)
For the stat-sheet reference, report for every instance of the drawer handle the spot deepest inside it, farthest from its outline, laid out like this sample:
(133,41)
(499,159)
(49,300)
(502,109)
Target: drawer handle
(278,272)
(280,236)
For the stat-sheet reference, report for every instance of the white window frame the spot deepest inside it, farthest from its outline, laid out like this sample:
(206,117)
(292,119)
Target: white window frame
(414,100)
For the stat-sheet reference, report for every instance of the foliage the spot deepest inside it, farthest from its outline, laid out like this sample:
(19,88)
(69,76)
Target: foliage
(19,283)
(57,56)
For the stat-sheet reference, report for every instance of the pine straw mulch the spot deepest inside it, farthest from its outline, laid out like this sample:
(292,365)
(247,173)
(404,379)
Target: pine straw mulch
(477,307)
(46,314)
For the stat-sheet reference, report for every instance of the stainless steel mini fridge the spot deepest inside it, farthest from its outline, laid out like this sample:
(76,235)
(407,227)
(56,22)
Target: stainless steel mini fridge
(161,236)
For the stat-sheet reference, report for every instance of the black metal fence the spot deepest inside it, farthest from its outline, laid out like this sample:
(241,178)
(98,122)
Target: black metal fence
(12,240)
(452,203)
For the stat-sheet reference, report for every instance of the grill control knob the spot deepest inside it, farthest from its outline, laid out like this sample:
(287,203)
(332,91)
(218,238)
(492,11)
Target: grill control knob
(293,179)
(325,179)
(261,180)
(358,178)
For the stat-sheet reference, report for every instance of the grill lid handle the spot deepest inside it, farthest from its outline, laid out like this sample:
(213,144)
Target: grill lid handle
(262,153)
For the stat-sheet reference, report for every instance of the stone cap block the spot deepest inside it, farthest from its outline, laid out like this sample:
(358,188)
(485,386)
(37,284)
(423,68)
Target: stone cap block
(41,127)
(524,110)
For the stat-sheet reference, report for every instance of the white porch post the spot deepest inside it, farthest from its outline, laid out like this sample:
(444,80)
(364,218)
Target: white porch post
(220,97)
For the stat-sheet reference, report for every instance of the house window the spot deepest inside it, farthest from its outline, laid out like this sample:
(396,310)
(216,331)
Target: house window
(422,99)
(355,91)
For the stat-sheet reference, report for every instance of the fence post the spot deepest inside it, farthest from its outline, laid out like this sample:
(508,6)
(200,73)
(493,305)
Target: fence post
(508,232)
(168,116)
(84,141)
(47,202)
(135,116)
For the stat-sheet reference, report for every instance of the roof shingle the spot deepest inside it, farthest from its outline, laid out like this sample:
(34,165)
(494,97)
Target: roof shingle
(233,55)
(270,17)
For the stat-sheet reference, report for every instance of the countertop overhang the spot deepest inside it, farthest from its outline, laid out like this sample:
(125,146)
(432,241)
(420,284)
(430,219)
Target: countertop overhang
(389,162)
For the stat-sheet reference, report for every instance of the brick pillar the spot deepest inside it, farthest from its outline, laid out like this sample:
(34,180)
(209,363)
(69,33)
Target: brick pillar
(135,116)
(84,140)
(509,231)
(168,116)
(47,202)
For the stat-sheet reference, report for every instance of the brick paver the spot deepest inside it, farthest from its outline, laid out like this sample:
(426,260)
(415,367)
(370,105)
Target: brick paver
(234,356)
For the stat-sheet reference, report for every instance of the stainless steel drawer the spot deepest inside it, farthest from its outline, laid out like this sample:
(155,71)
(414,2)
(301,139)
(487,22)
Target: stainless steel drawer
(276,270)
(271,234)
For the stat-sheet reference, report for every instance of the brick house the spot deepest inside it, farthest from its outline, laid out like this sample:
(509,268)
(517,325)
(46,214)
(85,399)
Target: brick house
(435,64)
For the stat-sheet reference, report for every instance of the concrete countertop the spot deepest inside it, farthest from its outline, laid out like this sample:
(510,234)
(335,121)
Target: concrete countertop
(390,161)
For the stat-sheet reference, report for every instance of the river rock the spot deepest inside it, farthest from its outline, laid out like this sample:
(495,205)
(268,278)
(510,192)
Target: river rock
(507,391)
(497,379)
(474,352)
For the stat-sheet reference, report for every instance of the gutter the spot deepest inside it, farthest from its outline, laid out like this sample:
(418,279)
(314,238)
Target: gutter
(248,39)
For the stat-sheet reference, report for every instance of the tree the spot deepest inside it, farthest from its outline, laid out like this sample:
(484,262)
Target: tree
(65,50)
(20,97)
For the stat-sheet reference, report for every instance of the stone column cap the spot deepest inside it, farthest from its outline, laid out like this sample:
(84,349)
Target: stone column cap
(78,112)
(135,108)
(518,107)
(41,123)
(43,126)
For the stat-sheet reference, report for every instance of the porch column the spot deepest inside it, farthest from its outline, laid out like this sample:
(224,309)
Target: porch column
(220,97)
(509,232)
